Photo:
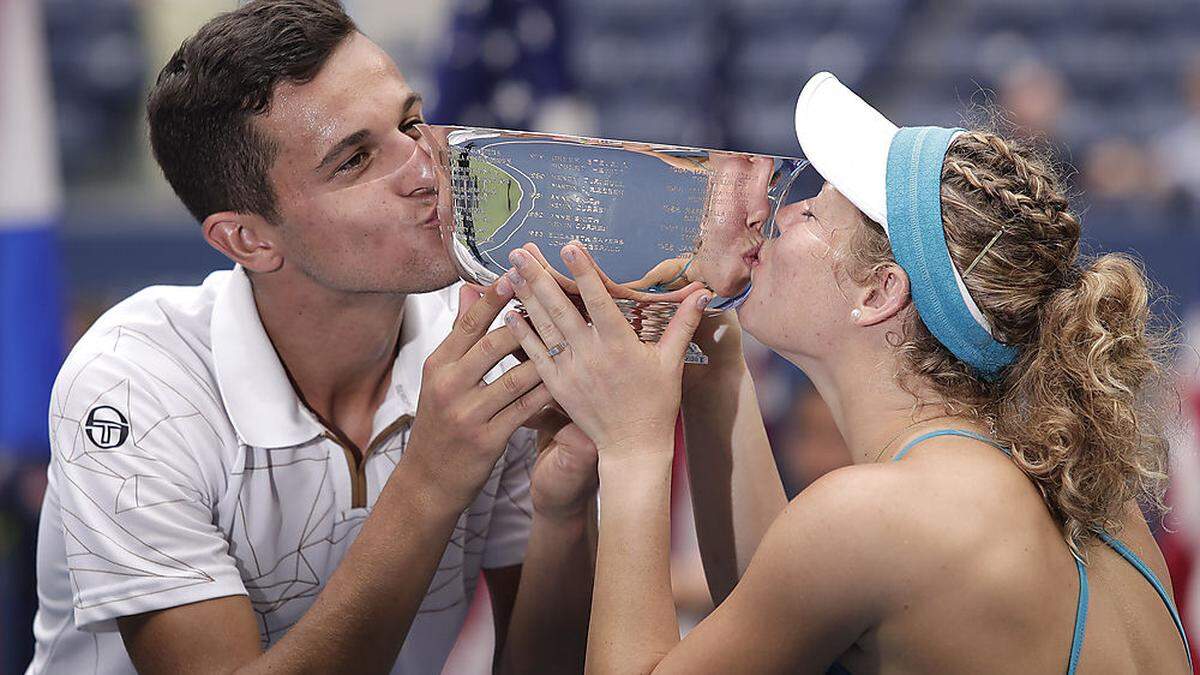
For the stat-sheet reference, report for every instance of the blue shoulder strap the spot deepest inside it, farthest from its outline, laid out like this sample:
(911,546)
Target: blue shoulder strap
(1080,617)
(1081,609)
(946,432)
(1132,558)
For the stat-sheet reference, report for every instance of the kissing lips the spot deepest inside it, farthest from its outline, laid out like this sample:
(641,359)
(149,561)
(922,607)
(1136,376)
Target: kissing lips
(751,257)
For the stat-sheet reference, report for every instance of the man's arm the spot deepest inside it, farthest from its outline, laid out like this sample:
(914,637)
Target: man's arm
(358,622)
(360,619)
(550,605)
(548,628)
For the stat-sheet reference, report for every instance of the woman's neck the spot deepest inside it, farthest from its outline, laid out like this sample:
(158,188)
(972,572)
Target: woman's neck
(874,414)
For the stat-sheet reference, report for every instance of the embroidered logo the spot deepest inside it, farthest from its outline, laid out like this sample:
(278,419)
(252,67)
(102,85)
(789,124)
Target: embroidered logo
(106,427)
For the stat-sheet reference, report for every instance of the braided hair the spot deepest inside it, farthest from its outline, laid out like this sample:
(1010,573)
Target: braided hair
(1082,408)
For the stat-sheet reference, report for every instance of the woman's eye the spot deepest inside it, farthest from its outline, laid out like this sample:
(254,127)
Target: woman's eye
(807,213)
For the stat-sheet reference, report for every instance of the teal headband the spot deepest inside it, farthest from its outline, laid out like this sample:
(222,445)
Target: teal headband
(914,224)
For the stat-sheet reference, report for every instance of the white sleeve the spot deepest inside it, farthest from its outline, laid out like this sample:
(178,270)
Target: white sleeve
(512,511)
(137,510)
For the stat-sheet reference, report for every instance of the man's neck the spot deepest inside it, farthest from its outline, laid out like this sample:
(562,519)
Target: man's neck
(338,348)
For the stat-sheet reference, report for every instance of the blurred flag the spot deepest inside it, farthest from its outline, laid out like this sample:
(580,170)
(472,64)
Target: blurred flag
(30,311)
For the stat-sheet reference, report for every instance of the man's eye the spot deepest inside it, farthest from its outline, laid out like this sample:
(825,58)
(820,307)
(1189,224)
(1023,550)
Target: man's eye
(807,213)
(410,126)
(354,162)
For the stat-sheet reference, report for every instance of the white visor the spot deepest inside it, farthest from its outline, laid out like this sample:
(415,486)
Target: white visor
(847,141)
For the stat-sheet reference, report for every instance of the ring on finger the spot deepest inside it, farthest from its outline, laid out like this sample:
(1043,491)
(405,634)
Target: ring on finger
(556,349)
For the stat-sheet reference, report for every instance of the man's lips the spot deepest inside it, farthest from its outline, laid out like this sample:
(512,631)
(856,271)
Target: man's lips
(751,256)
(432,222)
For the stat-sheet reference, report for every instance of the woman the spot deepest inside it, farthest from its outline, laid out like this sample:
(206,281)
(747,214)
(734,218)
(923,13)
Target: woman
(995,394)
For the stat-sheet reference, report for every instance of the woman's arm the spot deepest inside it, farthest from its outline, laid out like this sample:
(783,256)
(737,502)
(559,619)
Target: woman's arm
(634,624)
(812,588)
(736,489)
(816,584)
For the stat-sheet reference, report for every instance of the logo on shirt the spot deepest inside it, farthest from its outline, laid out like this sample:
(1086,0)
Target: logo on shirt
(106,427)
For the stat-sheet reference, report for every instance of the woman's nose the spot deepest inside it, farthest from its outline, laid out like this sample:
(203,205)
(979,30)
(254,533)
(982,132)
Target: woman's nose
(789,215)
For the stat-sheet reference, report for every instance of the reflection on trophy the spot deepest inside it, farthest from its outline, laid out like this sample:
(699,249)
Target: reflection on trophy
(658,220)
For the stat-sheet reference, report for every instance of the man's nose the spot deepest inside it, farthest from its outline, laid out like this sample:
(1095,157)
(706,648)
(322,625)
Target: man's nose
(416,177)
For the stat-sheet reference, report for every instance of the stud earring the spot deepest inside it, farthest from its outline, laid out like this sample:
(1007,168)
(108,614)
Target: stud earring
(856,314)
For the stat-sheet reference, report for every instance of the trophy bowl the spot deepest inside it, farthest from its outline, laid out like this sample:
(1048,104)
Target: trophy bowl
(660,221)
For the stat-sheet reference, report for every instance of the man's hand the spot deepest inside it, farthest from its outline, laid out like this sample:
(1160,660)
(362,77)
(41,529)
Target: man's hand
(565,477)
(463,425)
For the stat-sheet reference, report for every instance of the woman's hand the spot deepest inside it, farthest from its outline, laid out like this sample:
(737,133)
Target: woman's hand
(623,393)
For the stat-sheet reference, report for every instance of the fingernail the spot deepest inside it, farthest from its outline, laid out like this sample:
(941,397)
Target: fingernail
(510,318)
(569,254)
(515,278)
(702,301)
(517,257)
(503,287)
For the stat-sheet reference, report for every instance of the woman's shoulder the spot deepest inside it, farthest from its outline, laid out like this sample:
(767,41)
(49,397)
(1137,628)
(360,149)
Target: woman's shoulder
(918,509)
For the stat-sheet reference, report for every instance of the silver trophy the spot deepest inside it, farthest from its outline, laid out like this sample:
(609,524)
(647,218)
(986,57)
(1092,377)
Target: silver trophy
(659,220)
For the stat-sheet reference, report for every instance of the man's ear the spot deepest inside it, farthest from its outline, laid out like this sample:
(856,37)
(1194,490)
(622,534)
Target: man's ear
(886,294)
(246,239)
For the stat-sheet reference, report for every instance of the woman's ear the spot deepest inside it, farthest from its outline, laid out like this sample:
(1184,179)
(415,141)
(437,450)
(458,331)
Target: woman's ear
(884,296)
(246,239)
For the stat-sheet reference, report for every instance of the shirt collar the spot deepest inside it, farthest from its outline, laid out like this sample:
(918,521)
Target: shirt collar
(259,397)
(428,319)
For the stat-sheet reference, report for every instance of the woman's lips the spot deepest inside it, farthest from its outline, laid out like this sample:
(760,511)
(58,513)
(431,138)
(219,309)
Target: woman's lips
(751,257)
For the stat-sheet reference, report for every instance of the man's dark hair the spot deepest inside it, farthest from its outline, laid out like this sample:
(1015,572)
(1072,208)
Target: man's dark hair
(202,108)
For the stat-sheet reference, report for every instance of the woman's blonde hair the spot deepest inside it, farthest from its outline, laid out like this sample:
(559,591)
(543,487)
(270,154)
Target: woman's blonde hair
(1082,408)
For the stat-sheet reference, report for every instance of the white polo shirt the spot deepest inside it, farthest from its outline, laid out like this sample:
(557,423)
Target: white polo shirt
(184,467)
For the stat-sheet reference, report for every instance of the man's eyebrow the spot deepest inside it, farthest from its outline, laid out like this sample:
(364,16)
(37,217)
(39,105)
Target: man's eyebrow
(410,102)
(342,145)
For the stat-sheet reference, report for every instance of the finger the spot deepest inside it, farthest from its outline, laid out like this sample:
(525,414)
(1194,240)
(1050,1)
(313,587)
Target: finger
(572,436)
(558,309)
(485,354)
(605,314)
(509,387)
(548,421)
(564,281)
(468,295)
(475,318)
(543,325)
(519,411)
(529,340)
(612,286)
(678,334)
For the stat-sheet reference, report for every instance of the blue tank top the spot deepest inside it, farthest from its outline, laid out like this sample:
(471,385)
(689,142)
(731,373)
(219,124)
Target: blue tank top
(1082,606)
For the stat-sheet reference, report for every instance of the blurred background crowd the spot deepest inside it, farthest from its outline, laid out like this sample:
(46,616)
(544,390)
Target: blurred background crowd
(1112,85)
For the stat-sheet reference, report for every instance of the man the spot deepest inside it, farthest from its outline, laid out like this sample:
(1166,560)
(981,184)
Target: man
(282,469)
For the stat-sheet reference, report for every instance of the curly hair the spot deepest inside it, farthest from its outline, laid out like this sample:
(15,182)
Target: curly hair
(1082,409)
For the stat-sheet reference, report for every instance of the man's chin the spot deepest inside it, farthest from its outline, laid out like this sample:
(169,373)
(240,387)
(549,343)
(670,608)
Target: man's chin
(438,279)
